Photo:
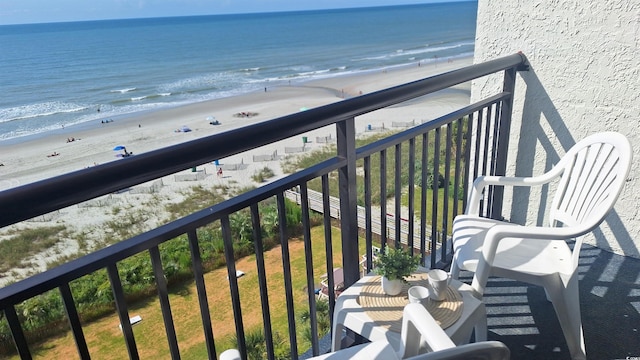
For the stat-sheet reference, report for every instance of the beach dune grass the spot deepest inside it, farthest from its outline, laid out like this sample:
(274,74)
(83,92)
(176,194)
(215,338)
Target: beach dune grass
(27,242)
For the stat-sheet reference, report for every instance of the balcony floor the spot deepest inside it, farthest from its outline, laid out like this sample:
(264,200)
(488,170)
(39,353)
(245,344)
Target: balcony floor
(520,316)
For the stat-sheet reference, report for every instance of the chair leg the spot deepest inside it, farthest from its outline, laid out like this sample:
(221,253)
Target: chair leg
(480,329)
(455,270)
(566,303)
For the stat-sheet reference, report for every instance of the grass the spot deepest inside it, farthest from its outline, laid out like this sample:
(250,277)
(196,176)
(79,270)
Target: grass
(262,175)
(417,202)
(105,340)
(197,198)
(28,242)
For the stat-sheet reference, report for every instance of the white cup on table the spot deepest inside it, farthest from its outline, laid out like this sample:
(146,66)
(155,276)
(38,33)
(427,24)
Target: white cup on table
(418,294)
(438,283)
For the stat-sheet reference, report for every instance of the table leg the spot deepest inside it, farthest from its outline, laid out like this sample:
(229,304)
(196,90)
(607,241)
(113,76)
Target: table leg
(336,334)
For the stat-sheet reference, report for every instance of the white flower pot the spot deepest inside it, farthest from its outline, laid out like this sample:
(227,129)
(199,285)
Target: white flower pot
(392,287)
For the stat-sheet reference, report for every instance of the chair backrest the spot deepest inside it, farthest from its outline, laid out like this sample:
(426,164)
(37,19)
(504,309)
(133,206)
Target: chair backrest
(593,174)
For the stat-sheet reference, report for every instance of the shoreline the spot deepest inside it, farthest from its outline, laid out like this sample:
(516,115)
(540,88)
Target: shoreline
(329,81)
(26,160)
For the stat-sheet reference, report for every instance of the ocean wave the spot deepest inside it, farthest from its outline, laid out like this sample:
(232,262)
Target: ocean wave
(122,91)
(145,97)
(429,49)
(416,51)
(201,82)
(38,110)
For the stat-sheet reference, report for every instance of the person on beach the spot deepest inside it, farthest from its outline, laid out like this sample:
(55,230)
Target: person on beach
(219,172)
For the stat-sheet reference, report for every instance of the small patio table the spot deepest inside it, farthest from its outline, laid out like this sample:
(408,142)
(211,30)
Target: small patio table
(366,310)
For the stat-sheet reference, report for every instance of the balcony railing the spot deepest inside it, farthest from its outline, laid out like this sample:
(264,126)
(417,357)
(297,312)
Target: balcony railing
(442,154)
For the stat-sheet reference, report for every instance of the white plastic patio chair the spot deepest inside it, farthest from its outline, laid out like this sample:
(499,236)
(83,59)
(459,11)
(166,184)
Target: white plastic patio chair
(417,324)
(589,180)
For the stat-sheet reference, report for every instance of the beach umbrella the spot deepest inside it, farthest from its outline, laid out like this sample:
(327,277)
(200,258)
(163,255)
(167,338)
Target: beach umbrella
(119,147)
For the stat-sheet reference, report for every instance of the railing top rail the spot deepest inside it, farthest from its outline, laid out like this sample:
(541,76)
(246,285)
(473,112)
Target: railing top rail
(48,195)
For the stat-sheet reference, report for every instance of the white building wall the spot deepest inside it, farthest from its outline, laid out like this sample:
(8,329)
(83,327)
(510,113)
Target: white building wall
(584,78)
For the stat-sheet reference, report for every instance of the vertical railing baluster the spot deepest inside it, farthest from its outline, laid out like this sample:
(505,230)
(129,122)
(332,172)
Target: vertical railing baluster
(383,200)
(411,194)
(18,335)
(486,159)
(121,308)
(456,177)
(367,215)
(346,149)
(492,159)
(262,280)
(487,140)
(496,134)
(423,198)
(445,203)
(434,197)
(398,195)
(233,283)
(467,168)
(286,268)
(477,164)
(308,254)
(477,147)
(165,306)
(198,275)
(328,240)
(74,321)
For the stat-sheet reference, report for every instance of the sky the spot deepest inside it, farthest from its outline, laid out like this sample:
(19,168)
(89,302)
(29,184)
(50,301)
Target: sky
(38,11)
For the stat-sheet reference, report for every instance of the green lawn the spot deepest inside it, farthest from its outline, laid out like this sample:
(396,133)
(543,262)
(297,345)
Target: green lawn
(105,339)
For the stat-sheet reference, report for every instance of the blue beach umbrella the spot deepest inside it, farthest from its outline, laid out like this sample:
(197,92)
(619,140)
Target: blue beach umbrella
(119,147)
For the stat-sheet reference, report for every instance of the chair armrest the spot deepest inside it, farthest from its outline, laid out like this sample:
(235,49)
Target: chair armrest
(494,350)
(417,325)
(370,351)
(483,181)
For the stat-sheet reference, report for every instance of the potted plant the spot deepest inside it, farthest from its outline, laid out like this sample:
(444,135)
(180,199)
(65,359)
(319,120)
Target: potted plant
(394,265)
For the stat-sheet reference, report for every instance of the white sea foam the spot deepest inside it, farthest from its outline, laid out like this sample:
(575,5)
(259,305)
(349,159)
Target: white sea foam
(122,91)
(38,110)
(416,51)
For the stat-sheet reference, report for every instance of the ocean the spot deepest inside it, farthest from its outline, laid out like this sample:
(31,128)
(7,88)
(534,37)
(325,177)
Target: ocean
(60,74)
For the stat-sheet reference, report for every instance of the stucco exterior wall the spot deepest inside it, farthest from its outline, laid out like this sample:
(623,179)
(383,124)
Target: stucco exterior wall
(584,78)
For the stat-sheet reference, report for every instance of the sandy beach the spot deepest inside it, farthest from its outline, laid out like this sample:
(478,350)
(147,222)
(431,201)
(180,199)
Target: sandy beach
(43,156)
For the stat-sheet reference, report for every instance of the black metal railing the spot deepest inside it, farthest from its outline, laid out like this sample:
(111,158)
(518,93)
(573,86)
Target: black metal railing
(450,150)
